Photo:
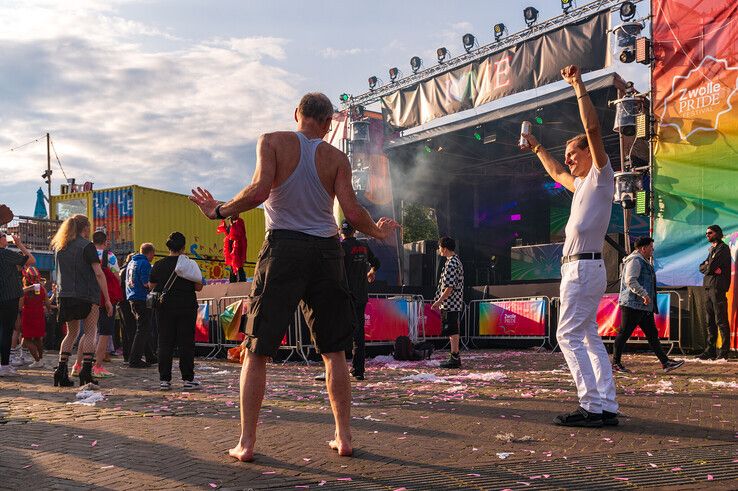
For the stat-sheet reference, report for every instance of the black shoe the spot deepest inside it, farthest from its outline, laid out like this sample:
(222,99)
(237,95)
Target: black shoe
(707,355)
(454,361)
(320,378)
(61,376)
(672,365)
(85,375)
(152,361)
(139,364)
(359,376)
(610,419)
(580,417)
(723,355)
(619,367)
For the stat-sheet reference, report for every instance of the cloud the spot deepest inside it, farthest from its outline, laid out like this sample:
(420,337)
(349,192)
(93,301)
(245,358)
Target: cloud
(334,53)
(121,112)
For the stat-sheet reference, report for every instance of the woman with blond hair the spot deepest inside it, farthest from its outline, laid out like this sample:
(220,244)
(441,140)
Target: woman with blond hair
(80,280)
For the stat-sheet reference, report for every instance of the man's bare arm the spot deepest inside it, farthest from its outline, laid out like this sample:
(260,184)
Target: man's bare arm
(552,166)
(572,74)
(252,195)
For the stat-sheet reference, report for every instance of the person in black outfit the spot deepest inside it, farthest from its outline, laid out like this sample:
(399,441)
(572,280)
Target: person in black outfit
(716,269)
(10,292)
(126,314)
(177,315)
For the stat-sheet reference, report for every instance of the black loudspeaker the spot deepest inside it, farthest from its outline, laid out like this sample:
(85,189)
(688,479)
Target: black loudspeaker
(613,258)
(422,270)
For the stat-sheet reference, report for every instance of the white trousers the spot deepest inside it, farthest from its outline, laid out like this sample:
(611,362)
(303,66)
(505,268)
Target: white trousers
(582,285)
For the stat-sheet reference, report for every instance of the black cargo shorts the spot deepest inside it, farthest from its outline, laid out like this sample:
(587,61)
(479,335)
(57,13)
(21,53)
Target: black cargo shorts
(299,269)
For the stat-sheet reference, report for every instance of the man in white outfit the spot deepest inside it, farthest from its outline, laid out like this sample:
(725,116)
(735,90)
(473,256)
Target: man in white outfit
(583,277)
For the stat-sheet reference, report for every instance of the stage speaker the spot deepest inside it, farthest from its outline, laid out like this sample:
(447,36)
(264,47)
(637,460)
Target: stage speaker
(422,270)
(613,258)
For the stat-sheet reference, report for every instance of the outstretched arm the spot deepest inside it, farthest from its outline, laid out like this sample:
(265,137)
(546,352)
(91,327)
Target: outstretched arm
(252,195)
(552,166)
(572,75)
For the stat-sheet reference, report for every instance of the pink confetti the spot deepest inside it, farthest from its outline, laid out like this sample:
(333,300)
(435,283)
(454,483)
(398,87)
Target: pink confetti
(94,443)
(709,477)
(474,475)
(34,445)
(322,483)
(306,459)
(268,473)
(400,489)
(653,465)
(344,479)
(675,469)
(213,485)
(622,479)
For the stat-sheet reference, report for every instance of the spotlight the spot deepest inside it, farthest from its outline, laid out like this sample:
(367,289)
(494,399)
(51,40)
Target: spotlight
(468,41)
(442,54)
(539,116)
(627,110)
(530,14)
(345,97)
(627,185)
(566,5)
(357,112)
(627,11)
(372,82)
(416,63)
(478,133)
(499,31)
(393,73)
(626,38)
(643,51)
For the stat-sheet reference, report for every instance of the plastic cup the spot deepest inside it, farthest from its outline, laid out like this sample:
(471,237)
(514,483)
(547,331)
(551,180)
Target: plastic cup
(37,288)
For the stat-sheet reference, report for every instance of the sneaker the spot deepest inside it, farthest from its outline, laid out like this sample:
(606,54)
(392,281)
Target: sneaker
(16,361)
(707,355)
(672,365)
(100,372)
(139,364)
(7,371)
(579,417)
(76,369)
(165,385)
(452,362)
(360,376)
(37,364)
(26,357)
(619,367)
(723,355)
(320,378)
(191,385)
(610,419)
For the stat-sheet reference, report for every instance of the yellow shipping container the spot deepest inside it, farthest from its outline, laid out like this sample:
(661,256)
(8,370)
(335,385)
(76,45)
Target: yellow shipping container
(132,215)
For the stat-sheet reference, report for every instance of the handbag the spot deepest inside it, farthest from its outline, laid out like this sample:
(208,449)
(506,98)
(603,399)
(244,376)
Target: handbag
(154,300)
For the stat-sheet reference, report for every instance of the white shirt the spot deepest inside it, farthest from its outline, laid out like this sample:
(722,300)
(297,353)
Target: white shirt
(590,211)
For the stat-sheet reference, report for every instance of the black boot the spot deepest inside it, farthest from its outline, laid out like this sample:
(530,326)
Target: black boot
(708,354)
(85,375)
(61,376)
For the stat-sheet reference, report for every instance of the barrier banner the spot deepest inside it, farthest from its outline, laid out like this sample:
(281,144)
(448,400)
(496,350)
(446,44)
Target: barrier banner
(432,321)
(526,65)
(386,319)
(230,320)
(512,318)
(202,323)
(608,317)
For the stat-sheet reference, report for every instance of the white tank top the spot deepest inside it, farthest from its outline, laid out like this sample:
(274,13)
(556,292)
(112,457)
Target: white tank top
(301,203)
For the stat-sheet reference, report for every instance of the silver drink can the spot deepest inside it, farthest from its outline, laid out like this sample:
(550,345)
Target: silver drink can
(525,129)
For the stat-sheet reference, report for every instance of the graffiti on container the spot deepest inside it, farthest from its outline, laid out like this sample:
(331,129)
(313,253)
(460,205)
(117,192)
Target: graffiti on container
(113,213)
(211,269)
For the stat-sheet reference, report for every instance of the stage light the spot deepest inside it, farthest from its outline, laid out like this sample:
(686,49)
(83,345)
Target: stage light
(372,82)
(626,40)
(478,135)
(393,73)
(627,110)
(468,41)
(627,11)
(345,97)
(566,5)
(530,14)
(499,30)
(427,149)
(627,185)
(442,54)
(516,217)
(357,112)
(416,63)
(643,51)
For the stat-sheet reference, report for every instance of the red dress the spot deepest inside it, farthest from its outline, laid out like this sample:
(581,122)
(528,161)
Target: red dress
(33,320)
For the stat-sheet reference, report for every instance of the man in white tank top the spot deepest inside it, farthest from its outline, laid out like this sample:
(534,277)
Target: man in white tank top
(583,277)
(297,177)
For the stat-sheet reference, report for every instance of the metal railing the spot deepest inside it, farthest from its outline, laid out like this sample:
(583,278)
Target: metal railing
(474,308)
(36,233)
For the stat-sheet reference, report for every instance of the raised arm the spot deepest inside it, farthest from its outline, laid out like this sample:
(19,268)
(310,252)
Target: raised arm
(556,170)
(352,209)
(252,195)
(573,76)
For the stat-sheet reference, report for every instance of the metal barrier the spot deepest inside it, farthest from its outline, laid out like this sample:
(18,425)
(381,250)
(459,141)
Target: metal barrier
(415,315)
(473,316)
(213,328)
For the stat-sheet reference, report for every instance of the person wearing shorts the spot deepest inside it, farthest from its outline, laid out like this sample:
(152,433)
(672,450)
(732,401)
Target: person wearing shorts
(449,299)
(297,178)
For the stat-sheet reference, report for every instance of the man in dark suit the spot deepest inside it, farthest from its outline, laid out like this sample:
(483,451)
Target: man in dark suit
(716,269)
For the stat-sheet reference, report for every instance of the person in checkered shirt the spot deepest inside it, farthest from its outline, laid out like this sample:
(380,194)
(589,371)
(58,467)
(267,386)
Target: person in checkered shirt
(449,298)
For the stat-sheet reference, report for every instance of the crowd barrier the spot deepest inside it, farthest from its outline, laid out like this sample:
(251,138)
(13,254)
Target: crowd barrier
(526,318)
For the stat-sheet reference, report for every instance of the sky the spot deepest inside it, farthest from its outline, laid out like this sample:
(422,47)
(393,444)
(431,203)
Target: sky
(174,94)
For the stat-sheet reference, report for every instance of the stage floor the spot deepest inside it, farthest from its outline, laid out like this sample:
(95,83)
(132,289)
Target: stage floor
(415,427)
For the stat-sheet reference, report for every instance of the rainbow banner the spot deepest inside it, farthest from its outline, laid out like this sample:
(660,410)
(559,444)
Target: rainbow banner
(432,319)
(202,323)
(512,318)
(608,317)
(386,318)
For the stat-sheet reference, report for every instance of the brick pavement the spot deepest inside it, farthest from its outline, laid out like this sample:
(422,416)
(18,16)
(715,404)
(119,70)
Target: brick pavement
(415,427)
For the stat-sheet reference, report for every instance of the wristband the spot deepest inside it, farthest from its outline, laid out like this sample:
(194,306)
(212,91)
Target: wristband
(217,212)
(583,95)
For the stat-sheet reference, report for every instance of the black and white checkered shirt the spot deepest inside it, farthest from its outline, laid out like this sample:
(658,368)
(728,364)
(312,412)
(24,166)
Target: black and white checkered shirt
(452,277)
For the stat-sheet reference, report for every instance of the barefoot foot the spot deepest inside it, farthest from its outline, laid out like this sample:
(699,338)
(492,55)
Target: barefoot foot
(242,453)
(343,447)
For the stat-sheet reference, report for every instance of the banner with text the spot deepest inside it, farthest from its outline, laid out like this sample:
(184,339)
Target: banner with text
(512,318)
(608,316)
(527,65)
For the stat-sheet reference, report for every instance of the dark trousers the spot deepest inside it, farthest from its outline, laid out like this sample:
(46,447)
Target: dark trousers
(717,318)
(8,316)
(141,344)
(177,328)
(129,327)
(629,320)
(239,277)
(359,348)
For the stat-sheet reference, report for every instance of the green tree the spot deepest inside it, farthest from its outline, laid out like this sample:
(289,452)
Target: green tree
(419,223)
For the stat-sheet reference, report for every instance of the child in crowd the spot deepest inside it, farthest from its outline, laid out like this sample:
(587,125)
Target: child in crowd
(33,319)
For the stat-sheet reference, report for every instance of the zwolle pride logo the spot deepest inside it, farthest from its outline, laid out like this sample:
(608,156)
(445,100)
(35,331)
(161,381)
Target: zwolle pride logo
(700,98)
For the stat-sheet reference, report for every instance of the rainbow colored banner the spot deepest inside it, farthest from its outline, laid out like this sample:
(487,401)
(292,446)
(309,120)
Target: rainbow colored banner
(512,318)
(432,319)
(386,319)
(608,316)
(202,323)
